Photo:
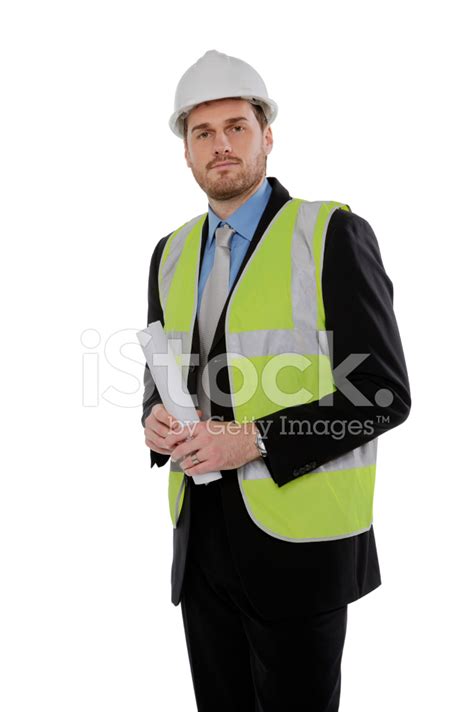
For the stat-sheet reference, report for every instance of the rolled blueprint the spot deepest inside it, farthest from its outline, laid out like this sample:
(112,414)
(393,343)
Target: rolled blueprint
(162,361)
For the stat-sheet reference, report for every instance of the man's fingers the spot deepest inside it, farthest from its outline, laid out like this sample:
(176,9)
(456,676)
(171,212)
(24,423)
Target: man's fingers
(156,443)
(158,428)
(160,443)
(157,408)
(163,438)
(164,416)
(160,413)
(165,431)
(162,431)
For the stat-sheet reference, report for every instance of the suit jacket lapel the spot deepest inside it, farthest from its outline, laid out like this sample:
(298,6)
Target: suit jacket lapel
(278,197)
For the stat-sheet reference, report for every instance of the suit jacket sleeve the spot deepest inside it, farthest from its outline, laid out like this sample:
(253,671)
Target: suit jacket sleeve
(151,395)
(358,300)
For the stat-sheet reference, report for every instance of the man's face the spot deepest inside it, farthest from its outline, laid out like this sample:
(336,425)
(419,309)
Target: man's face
(226,130)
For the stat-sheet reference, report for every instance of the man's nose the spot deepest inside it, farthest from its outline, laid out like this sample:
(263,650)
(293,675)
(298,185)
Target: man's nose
(222,143)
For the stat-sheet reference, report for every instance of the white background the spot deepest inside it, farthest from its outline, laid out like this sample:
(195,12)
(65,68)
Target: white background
(375,111)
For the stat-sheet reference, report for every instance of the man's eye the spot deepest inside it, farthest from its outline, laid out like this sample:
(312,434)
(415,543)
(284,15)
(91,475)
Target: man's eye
(238,127)
(202,134)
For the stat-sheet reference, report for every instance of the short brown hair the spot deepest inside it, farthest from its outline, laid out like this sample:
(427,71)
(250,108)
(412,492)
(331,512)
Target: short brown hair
(257,110)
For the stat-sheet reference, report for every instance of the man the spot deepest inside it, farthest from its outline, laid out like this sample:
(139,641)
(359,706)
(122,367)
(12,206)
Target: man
(293,296)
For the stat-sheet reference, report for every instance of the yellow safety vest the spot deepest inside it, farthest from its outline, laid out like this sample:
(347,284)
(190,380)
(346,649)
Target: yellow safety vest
(277,356)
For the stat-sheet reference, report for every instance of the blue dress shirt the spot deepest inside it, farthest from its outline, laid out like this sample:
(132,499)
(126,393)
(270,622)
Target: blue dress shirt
(244,220)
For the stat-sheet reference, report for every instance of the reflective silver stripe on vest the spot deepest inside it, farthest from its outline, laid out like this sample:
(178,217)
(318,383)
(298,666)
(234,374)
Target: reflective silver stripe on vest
(167,268)
(361,456)
(165,279)
(303,277)
(255,343)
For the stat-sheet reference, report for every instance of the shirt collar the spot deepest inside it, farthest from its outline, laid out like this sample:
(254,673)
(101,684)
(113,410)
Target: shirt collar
(245,219)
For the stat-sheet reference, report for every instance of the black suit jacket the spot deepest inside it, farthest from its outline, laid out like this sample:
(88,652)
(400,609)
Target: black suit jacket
(358,297)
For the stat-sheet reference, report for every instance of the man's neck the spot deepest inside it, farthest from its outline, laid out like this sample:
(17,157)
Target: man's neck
(224,208)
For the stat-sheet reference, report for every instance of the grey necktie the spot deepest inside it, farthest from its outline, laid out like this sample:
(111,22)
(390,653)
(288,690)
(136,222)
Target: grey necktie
(212,301)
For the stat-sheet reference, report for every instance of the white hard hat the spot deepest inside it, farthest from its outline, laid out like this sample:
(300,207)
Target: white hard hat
(217,76)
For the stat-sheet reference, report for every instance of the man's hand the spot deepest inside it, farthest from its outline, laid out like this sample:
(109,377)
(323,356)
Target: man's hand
(219,445)
(158,425)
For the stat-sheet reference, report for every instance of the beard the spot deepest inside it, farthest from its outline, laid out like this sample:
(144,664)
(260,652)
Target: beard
(233,183)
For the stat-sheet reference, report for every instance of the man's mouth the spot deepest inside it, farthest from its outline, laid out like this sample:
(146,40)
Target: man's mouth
(226,163)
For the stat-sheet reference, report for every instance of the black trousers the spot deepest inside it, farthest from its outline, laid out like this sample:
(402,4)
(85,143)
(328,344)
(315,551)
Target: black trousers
(240,661)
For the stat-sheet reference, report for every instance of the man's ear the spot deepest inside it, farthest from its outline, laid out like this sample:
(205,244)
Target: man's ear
(268,139)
